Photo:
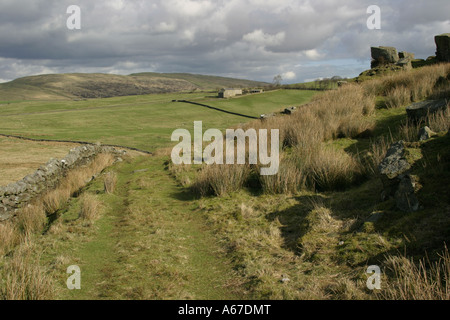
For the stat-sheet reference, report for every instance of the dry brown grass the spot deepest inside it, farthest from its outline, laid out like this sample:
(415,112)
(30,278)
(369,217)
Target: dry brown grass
(319,232)
(9,237)
(437,122)
(376,154)
(110,182)
(32,219)
(220,179)
(422,281)
(74,181)
(23,278)
(289,179)
(90,208)
(19,157)
(401,88)
(398,97)
(440,121)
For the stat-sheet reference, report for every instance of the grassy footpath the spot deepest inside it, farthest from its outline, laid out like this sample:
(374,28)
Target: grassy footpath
(150,243)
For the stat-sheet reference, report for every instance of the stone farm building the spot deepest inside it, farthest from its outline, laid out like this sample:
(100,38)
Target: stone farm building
(228,93)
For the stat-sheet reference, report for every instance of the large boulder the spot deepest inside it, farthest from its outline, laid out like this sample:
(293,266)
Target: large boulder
(384,55)
(420,110)
(443,47)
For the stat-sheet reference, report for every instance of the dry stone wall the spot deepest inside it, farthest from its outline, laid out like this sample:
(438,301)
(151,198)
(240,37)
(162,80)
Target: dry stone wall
(16,195)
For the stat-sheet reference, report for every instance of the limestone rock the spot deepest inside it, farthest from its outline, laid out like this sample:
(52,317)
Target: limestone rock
(405,63)
(443,47)
(420,110)
(384,55)
(425,133)
(290,110)
(408,55)
(397,182)
(395,163)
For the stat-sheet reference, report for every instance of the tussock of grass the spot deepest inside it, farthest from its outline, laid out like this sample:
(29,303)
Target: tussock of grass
(9,237)
(289,179)
(220,179)
(32,219)
(318,229)
(422,281)
(402,88)
(90,208)
(24,279)
(376,154)
(110,182)
(330,169)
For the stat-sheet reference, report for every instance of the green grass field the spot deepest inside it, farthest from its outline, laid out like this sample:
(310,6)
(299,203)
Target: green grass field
(144,122)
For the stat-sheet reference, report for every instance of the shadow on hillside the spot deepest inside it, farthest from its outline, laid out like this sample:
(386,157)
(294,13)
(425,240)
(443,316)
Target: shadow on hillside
(292,219)
(351,207)
(184,195)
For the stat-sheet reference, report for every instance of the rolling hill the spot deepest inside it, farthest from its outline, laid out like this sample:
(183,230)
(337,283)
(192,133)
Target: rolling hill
(86,86)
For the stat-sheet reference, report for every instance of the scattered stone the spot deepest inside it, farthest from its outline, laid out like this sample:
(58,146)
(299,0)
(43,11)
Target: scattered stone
(420,110)
(285,279)
(290,110)
(425,133)
(443,47)
(266,116)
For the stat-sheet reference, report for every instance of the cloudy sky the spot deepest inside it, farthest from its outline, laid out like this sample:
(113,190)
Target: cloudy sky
(253,39)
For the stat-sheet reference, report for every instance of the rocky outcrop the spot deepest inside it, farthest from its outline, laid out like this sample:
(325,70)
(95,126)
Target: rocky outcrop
(384,55)
(443,47)
(15,195)
(406,55)
(405,63)
(420,110)
(396,179)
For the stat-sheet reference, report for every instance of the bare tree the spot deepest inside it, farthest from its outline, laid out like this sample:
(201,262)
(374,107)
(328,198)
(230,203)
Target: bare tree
(277,80)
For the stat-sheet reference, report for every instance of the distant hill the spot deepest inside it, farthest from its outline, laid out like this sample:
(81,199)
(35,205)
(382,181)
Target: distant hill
(82,85)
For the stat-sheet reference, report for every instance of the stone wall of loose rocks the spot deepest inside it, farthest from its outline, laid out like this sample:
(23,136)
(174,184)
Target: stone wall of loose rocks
(18,194)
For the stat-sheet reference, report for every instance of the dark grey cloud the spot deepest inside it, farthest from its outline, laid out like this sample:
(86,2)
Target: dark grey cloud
(254,39)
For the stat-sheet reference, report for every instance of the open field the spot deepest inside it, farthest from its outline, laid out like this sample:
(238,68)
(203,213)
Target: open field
(144,122)
(19,158)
